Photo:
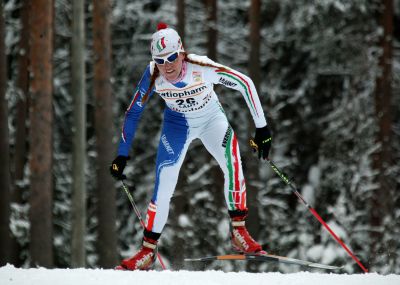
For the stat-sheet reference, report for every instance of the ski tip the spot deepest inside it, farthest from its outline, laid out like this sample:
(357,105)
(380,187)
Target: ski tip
(192,259)
(207,258)
(327,267)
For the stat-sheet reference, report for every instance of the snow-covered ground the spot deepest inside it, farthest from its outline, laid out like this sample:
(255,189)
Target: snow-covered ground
(41,276)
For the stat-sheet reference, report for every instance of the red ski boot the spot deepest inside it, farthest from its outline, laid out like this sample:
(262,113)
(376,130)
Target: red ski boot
(144,259)
(241,239)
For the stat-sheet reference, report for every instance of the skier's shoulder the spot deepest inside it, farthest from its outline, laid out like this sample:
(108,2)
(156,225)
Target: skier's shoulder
(204,60)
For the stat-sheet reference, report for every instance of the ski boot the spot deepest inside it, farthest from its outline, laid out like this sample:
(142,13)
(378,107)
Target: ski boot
(242,241)
(144,259)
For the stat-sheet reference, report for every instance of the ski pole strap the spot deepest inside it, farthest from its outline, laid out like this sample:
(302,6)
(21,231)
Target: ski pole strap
(253,144)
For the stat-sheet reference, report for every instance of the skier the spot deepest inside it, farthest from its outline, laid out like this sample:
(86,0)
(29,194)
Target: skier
(185,82)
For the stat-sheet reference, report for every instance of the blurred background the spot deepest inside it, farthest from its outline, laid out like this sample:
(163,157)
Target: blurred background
(328,75)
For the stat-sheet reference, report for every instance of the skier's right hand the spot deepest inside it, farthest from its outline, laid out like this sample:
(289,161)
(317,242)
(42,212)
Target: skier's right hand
(117,167)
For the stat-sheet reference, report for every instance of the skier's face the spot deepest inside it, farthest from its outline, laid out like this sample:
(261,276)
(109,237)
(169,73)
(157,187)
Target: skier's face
(170,65)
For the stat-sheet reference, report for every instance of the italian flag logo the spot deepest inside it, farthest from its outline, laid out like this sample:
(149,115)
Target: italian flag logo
(161,44)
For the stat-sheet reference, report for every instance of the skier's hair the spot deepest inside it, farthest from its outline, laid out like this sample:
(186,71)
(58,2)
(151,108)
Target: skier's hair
(156,73)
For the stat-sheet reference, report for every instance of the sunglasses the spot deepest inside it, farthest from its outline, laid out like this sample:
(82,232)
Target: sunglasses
(171,58)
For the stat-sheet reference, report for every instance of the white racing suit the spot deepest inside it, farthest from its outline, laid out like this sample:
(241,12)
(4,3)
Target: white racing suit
(193,111)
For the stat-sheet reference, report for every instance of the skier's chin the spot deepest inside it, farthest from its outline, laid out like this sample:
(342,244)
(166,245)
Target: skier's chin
(171,76)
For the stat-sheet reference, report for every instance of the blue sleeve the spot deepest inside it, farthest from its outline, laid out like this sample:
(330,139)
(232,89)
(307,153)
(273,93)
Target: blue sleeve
(134,113)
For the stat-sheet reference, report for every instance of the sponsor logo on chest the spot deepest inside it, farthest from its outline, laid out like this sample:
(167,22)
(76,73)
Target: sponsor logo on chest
(182,94)
(196,75)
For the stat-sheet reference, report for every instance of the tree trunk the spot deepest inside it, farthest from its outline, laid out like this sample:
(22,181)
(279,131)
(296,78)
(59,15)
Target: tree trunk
(212,32)
(255,41)
(5,196)
(41,122)
(21,134)
(180,15)
(251,163)
(381,202)
(107,241)
(78,210)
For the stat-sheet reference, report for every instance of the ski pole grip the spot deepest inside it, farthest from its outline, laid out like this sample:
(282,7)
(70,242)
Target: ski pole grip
(253,144)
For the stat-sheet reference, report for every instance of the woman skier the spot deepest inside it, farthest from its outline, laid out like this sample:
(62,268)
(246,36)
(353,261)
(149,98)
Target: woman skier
(192,110)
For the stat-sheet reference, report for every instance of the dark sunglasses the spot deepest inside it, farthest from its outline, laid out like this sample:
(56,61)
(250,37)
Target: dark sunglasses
(171,58)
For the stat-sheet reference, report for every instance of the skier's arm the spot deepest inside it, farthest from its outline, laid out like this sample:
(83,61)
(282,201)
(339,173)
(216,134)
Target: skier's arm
(134,113)
(235,80)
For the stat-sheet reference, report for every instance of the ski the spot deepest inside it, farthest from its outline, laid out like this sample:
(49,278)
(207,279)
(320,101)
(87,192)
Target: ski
(266,257)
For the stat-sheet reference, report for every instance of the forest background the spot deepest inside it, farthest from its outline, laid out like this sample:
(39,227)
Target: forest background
(328,75)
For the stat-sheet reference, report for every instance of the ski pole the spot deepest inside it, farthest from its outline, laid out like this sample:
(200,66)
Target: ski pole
(311,209)
(137,212)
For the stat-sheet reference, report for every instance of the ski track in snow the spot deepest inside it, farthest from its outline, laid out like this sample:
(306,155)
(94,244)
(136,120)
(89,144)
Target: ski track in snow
(9,275)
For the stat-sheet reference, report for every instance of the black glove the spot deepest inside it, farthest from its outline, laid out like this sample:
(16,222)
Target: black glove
(117,167)
(263,140)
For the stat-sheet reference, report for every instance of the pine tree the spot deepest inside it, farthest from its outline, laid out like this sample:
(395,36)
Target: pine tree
(41,123)
(78,256)
(106,205)
(5,183)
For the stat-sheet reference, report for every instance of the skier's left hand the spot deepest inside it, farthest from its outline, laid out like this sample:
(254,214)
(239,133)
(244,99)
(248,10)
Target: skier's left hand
(262,142)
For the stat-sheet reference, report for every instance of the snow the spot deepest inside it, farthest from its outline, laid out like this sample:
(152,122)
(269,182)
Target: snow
(9,275)
(184,221)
